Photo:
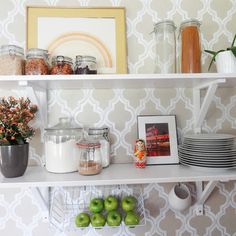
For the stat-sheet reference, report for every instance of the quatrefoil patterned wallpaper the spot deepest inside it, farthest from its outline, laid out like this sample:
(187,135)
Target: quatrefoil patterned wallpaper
(20,213)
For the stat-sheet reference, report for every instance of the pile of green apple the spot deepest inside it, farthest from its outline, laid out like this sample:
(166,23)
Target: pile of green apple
(113,215)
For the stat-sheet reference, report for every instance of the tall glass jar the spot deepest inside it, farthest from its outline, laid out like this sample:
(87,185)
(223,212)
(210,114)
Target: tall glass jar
(190,46)
(85,65)
(102,136)
(37,62)
(61,65)
(90,160)
(165,45)
(11,60)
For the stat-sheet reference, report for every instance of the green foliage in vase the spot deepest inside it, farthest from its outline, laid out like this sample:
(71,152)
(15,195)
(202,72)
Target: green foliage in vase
(215,53)
(15,115)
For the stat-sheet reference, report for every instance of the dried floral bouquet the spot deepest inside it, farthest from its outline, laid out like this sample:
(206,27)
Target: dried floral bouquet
(15,115)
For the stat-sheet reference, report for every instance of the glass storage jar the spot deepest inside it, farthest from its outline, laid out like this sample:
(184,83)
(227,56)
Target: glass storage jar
(85,65)
(37,62)
(61,65)
(61,152)
(165,45)
(102,136)
(90,160)
(11,60)
(190,46)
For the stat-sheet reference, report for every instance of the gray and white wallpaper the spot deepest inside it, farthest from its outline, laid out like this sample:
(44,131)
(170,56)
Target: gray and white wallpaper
(20,213)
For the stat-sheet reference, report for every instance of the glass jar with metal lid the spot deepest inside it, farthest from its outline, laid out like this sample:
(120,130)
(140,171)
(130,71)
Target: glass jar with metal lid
(90,161)
(61,152)
(11,60)
(37,62)
(61,65)
(165,45)
(85,65)
(190,46)
(102,136)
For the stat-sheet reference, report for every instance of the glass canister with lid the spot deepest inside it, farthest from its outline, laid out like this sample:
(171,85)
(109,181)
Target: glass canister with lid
(90,160)
(12,60)
(165,45)
(61,152)
(61,65)
(85,65)
(37,62)
(102,136)
(190,46)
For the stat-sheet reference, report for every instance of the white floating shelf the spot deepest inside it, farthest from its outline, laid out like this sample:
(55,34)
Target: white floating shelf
(118,174)
(105,81)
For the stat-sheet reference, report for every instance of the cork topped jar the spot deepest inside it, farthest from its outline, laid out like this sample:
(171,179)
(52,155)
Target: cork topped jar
(190,61)
(37,62)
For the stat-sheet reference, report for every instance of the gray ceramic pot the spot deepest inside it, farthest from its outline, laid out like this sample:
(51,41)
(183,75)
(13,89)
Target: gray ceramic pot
(14,160)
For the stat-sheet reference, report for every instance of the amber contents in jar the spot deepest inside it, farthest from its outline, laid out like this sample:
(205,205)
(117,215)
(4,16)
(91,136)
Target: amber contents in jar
(36,62)
(190,47)
(89,168)
(61,66)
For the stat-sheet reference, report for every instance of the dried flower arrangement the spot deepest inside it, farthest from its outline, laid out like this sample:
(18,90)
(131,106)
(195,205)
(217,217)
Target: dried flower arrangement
(15,115)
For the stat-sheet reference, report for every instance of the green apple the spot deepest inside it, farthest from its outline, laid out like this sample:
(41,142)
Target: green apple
(128,203)
(82,220)
(111,203)
(96,205)
(98,220)
(131,218)
(114,218)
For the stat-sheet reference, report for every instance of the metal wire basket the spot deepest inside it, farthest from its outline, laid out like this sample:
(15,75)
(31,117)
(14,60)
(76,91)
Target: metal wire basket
(68,202)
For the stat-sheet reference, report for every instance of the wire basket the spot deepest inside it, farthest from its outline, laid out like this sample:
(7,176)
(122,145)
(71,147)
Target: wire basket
(68,202)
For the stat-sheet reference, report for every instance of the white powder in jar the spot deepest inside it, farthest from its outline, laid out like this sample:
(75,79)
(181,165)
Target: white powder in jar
(62,157)
(11,65)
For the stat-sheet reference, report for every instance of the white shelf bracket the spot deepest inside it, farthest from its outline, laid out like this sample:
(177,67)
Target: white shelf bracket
(41,194)
(38,96)
(200,110)
(202,195)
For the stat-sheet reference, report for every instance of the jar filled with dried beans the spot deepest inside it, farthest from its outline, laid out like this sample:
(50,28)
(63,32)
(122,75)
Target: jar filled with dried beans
(85,65)
(190,58)
(37,62)
(61,65)
(12,60)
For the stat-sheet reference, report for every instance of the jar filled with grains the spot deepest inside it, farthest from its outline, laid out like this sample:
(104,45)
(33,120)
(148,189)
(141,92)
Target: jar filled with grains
(37,62)
(11,60)
(190,46)
(61,65)
(85,65)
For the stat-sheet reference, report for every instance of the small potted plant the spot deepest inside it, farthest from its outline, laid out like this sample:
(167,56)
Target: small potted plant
(15,131)
(225,59)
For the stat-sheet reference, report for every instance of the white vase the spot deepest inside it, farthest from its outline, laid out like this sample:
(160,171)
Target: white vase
(226,62)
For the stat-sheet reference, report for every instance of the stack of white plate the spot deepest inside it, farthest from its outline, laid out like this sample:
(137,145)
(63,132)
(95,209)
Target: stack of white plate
(208,150)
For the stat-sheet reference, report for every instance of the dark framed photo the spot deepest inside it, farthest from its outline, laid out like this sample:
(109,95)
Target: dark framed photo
(160,135)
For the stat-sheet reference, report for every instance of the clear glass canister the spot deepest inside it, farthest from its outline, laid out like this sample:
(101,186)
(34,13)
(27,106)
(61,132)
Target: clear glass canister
(11,60)
(61,152)
(85,65)
(61,65)
(165,45)
(37,62)
(102,136)
(190,46)
(90,161)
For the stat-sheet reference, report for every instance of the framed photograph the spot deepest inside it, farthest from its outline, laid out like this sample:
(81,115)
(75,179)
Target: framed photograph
(98,32)
(160,135)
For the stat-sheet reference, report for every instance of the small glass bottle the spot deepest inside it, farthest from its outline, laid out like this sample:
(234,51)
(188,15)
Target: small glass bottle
(90,160)
(190,46)
(11,60)
(102,136)
(165,61)
(61,65)
(37,62)
(85,65)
